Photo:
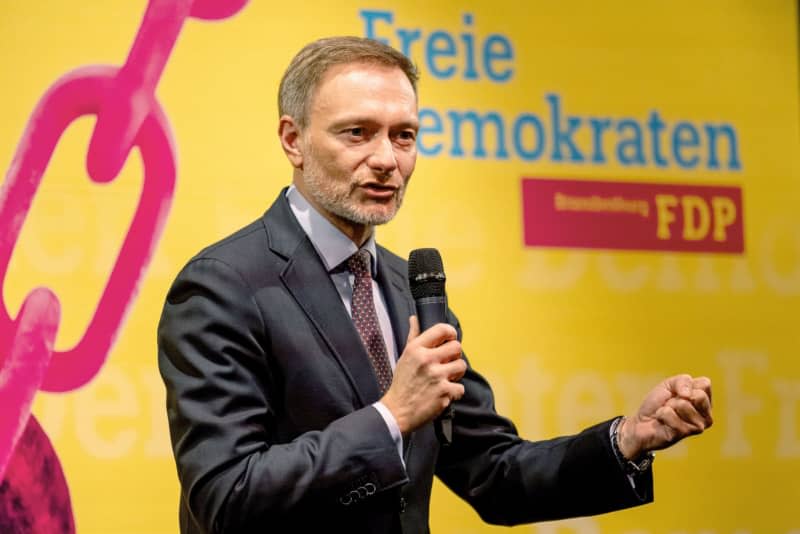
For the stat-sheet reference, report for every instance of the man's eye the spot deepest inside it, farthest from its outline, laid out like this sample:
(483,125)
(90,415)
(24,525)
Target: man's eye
(406,135)
(356,132)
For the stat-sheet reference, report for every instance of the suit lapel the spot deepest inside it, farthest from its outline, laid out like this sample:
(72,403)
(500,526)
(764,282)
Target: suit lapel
(309,283)
(393,284)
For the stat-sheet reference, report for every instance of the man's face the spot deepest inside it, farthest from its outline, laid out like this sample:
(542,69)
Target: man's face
(359,145)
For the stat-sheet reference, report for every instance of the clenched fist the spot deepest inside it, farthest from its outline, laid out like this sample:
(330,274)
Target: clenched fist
(678,407)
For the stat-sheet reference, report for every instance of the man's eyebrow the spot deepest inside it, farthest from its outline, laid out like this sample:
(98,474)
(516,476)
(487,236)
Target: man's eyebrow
(413,124)
(356,120)
(351,120)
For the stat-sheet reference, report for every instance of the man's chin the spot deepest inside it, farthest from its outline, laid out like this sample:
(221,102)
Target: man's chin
(376,219)
(373,216)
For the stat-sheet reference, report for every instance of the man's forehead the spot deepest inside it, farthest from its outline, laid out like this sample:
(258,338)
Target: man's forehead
(360,81)
(363,72)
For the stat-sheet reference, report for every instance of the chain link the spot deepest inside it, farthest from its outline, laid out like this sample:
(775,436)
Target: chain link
(128,115)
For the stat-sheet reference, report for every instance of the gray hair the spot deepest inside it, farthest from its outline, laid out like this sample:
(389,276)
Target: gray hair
(306,70)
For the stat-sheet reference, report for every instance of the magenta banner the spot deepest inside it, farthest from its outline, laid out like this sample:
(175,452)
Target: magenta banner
(632,216)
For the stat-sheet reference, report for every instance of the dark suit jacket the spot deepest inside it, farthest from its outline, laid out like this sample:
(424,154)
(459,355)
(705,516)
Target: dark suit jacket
(268,398)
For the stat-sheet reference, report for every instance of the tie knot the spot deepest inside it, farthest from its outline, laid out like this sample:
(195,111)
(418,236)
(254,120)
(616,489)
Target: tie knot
(359,264)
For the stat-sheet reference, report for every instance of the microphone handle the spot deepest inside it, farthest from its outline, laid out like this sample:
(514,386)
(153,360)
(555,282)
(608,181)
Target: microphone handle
(432,310)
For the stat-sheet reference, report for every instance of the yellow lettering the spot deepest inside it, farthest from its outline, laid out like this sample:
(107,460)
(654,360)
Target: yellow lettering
(695,230)
(724,216)
(664,205)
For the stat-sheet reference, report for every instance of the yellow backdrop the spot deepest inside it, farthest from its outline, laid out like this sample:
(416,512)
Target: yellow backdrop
(566,336)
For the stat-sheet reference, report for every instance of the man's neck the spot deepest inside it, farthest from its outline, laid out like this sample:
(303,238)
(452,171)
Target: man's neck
(357,233)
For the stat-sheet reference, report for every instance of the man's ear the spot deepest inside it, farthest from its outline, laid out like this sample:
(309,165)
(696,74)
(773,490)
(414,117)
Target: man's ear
(289,134)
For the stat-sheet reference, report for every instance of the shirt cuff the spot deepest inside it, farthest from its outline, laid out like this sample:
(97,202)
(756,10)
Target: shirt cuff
(612,435)
(391,424)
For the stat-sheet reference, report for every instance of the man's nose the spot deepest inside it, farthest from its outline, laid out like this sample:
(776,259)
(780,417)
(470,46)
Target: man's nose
(383,158)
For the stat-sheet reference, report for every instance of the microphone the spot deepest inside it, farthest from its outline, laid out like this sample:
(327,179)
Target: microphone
(426,279)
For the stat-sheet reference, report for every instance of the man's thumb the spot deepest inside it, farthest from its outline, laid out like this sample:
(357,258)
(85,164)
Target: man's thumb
(413,328)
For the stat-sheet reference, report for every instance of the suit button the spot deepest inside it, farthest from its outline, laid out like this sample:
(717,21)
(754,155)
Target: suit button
(401,505)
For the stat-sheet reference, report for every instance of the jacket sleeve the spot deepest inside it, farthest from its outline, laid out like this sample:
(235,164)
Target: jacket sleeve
(509,480)
(234,470)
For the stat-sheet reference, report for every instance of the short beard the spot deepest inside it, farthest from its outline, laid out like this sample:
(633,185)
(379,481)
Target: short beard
(337,200)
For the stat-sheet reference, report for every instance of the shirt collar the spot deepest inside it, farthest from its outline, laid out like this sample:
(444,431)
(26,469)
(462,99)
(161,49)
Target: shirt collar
(331,244)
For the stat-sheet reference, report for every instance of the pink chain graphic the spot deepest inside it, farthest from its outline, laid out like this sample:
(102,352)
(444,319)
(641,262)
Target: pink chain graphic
(128,116)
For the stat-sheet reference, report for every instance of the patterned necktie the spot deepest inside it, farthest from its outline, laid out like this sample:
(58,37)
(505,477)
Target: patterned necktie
(366,320)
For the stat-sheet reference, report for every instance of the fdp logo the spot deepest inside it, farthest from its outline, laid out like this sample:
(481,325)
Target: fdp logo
(632,216)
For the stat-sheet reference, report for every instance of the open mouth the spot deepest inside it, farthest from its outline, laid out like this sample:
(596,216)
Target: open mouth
(377,190)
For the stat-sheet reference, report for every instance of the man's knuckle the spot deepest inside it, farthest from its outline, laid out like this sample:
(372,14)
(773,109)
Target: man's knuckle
(702,382)
(426,358)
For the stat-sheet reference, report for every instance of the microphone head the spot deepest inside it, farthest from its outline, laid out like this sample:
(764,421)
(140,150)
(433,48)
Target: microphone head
(426,273)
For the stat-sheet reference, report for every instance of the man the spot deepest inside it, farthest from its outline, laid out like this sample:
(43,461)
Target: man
(300,391)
